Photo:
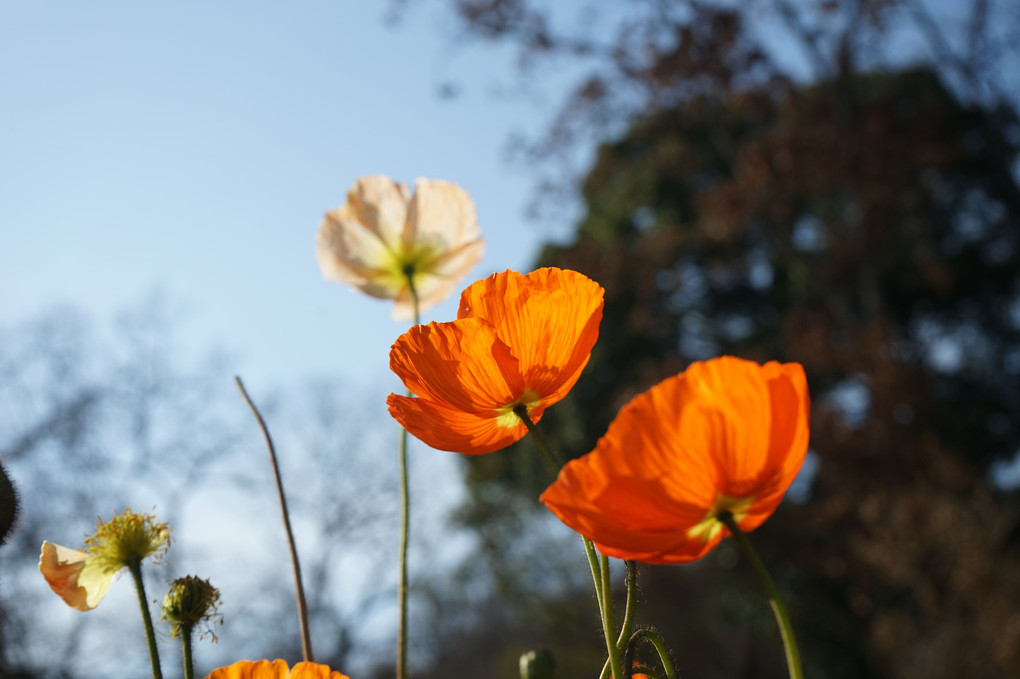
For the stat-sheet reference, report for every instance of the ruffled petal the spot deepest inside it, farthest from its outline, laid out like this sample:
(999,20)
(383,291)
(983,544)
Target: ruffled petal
(381,205)
(73,576)
(440,216)
(462,365)
(311,670)
(350,252)
(790,406)
(457,431)
(551,319)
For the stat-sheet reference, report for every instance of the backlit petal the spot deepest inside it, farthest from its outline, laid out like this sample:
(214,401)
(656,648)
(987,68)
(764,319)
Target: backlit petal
(350,252)
(310,670)
(461,364)
(440,215)
(446,428)
(726,433)
(549,317)
(276,669)
(381,205)
(248,669)
(66,572)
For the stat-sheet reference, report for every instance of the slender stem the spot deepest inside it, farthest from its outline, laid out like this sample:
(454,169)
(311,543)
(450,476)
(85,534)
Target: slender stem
(299,590)
(134,565)
(607,620)
(405,516)
(189,663)
(541,441)
(778,609)
(660,648)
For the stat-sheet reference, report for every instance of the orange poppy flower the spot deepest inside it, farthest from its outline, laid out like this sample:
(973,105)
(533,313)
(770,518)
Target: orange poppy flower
(725,435)
(518,341)
(383,234)
(277,669)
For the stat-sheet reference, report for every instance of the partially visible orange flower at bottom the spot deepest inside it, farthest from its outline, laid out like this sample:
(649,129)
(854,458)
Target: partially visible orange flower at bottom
(275,669)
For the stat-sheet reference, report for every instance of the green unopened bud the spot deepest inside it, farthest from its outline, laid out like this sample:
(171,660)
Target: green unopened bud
(192,603)
(537,664)
(8,505)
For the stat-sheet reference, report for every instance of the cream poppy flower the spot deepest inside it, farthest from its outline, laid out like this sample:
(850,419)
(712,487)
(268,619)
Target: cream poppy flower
(384,235)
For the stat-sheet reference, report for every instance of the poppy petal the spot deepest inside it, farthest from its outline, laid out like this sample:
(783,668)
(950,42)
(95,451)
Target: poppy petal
(445,428)
(440,215)
(380,204)
(551,319)
(311,670)
(350,252)
(461,364)
(249,669)
(73,577)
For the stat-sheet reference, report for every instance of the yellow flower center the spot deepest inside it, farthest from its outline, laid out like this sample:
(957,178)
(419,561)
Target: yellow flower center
(125,537)
(507,415)
(709,527)
(403,263)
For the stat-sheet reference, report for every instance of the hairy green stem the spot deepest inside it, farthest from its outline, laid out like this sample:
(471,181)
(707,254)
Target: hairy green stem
(189,662)
(660,648)
(628,613)
(299,590)
(134,565)
(778,609)
(607,620)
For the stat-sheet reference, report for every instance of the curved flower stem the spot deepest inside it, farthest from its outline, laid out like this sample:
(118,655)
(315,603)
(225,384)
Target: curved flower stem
(405,516)
(299,590)
(660,647)
(189,663)
(134,565)
(778,609)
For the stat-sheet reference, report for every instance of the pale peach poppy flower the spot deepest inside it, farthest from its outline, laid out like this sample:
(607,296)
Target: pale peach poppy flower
(82,578)
(384,233)
(276,669)
(726,435)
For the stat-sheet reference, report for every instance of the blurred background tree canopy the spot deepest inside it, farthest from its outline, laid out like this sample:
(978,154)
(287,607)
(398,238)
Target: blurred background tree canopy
(833,183)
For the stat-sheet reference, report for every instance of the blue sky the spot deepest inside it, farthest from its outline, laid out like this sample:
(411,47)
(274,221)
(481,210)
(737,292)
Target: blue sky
(193,147)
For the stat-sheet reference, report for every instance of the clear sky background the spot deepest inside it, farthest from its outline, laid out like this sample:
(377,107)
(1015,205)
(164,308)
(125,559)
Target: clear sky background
(192,147)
